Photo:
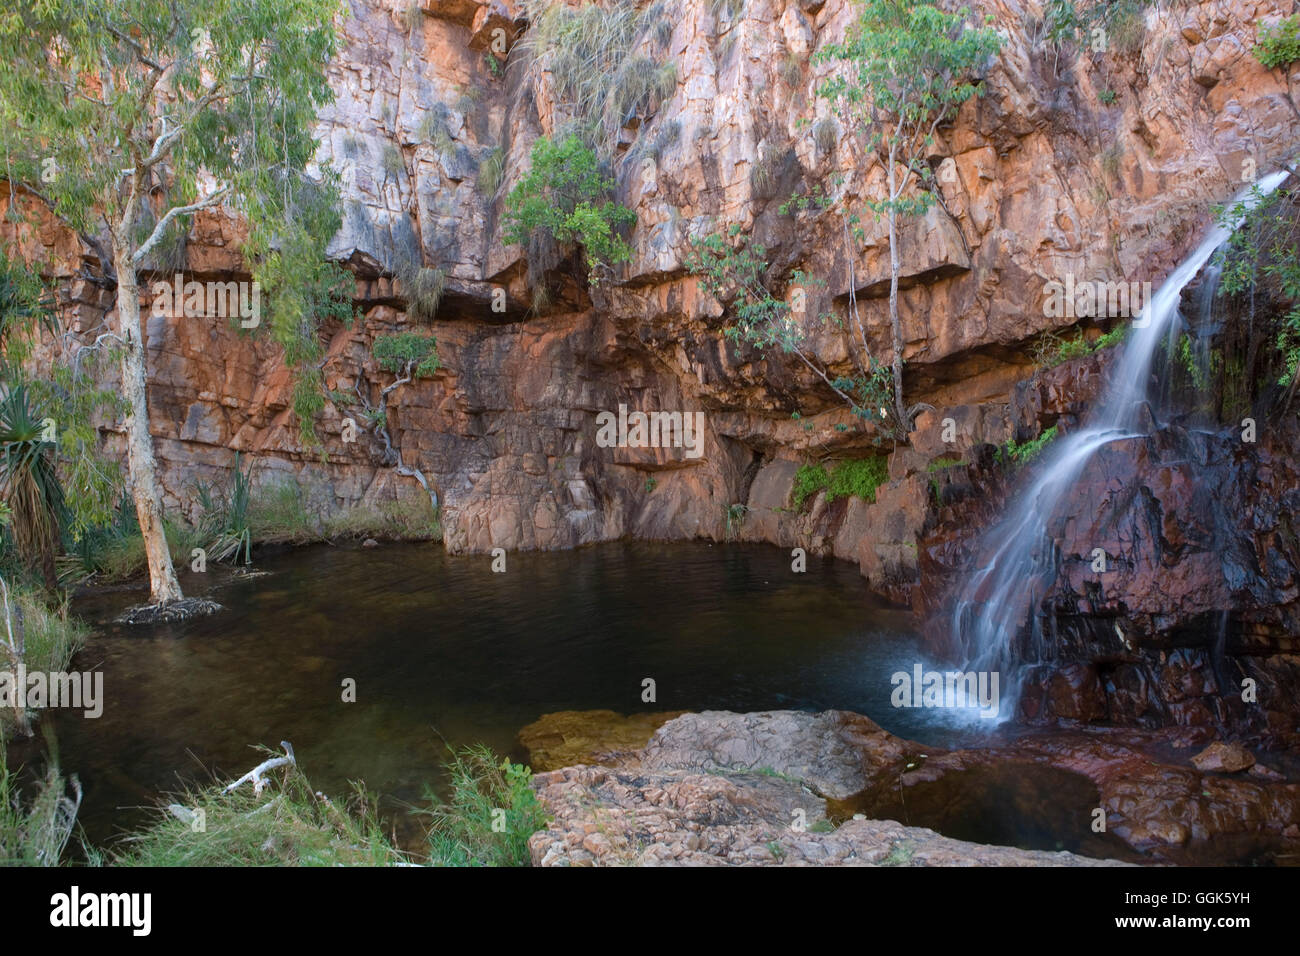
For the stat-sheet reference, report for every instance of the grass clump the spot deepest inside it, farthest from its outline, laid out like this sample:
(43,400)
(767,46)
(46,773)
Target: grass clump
(855,478)
(606,62)
(1052,350)
(35,831)
(1022,453)
(490,816)
(289,824)
(414,520)
(940,464)
(277,514)
(422,287)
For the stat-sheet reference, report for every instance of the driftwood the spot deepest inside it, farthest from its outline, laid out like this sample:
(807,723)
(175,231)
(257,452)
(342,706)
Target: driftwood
(14,644)
(255,775)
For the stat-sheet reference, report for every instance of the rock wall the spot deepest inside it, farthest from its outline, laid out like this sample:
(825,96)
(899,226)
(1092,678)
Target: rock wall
(1100,163)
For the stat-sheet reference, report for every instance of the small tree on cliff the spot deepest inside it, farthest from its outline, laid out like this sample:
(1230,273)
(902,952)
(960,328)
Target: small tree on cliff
(906,67)
(124,117)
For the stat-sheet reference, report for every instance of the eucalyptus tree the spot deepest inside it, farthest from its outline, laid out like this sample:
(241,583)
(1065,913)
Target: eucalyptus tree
(124,118)
(905,67)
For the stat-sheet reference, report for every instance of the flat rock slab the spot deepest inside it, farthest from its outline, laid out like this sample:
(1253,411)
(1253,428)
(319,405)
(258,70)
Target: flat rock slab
(835,753)
(605,816)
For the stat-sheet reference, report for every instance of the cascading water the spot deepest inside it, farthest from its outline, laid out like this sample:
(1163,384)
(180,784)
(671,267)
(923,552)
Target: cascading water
(1020,557)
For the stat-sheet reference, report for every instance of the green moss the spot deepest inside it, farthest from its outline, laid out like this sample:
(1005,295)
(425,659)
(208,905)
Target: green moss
(939,464)
(1022,453)
(850,478)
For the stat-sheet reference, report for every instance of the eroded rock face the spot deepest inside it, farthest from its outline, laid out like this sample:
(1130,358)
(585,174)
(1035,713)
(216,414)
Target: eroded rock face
(1041,177)
(1193,621)
(724,788)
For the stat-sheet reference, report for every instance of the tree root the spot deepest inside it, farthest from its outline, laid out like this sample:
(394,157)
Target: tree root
(168,612)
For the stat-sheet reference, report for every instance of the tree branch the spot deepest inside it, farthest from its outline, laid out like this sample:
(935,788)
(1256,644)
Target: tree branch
(172,213)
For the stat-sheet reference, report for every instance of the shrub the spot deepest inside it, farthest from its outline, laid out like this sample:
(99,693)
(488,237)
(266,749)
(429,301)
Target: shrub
(1280,45)
(407,353)
(485,790)
(1021,454)
(851,478)
(566,196)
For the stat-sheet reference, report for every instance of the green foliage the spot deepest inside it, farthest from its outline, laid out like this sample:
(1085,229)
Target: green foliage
(1052,350)
(1279,46)
(942,464)
(51,634)
(808,480)
(907,66)
(484,789)
(245,81)
(1262,262)
(407,353)
(1103,24)
(733,515)
(650,484)
(224,527)
(289,824)
(734,272)
(1108,97)
(29,483)
(858,479)
(903,69)
(26,310)
(851,478)
(566,197)
(1022,453)
(606,62)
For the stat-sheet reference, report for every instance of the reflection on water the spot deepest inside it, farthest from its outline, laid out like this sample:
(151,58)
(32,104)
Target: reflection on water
(440,645)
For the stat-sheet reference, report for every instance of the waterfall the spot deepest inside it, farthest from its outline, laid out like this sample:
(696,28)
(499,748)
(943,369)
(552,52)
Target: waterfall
(1019,556)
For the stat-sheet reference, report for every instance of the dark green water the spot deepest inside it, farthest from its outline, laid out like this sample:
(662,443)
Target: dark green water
(442,648)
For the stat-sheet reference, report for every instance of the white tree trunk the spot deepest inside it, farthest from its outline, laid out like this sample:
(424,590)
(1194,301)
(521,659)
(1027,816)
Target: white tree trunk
(895,324)
(163,586)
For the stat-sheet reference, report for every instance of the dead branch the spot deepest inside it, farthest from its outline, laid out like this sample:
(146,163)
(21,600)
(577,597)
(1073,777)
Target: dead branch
(255,775)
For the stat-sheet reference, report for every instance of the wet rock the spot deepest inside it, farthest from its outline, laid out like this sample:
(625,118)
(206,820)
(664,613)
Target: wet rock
(1228,758)
(719,787)
(683,818)
(569,737)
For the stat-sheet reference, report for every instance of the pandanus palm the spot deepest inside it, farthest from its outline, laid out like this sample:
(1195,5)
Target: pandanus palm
(29,486)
